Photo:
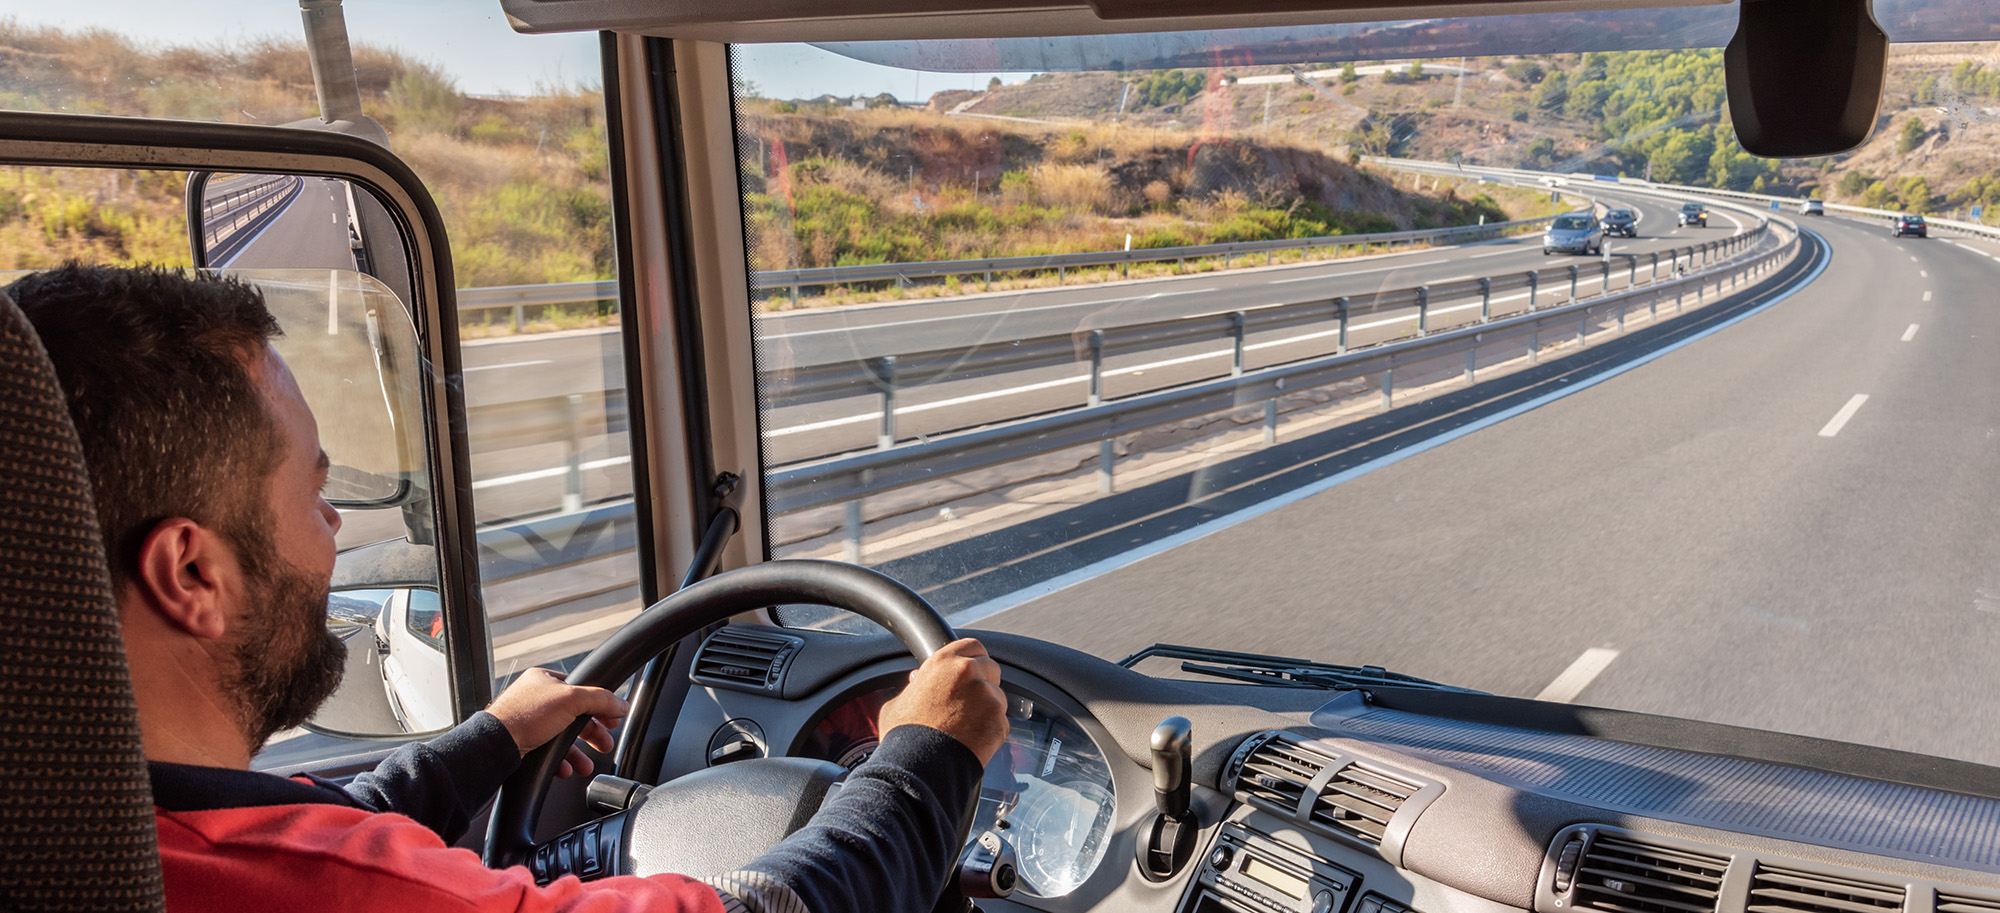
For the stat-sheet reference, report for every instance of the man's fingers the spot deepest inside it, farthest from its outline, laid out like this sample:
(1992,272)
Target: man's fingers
(597,702)
(575,763)
(598,736)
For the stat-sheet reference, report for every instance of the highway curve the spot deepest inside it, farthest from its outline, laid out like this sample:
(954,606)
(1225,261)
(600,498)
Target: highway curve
(1728,532)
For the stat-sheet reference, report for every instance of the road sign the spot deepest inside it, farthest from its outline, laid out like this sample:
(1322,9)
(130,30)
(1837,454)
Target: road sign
(1978,210)
(1774,205)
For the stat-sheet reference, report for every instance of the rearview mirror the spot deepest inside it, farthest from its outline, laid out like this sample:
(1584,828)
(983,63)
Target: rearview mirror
(1805,76)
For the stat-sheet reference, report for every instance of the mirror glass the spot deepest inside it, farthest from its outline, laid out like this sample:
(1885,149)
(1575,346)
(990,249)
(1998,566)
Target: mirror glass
(398,680)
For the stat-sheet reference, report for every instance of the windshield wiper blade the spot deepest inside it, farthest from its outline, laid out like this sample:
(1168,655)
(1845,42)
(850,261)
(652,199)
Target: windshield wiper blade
(1283,672)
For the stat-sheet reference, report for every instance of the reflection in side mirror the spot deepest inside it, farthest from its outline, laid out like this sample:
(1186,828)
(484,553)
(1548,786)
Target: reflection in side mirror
(294,221)
(398,680)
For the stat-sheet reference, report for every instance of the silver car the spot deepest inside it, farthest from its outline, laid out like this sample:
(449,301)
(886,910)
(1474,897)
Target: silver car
(1574,233)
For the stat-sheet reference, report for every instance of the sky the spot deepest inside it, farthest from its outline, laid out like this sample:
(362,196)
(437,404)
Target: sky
(472,41)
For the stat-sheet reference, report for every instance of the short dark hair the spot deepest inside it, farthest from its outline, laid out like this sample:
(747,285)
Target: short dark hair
(156,364)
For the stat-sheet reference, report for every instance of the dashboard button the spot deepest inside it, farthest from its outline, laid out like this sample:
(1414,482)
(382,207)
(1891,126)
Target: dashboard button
(1221,857)
(1323,902)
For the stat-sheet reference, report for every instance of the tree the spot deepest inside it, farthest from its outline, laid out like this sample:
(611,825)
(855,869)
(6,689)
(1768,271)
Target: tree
(993,83)
(1347,73)
(1416,69)
(1552,94)
(1853,183)
(1913,136)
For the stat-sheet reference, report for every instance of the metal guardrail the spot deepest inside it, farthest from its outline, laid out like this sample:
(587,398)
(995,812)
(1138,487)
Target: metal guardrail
(233,217)
(520,297)
(883,375)
(849,479)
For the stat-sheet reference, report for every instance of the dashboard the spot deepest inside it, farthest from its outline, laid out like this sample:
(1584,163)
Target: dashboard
(1395,800)
(1048,790)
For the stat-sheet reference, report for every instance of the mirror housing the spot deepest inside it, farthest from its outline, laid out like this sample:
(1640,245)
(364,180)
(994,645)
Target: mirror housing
(1805,76)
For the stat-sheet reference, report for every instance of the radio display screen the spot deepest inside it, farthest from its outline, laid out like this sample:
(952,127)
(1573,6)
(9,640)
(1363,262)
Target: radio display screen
(1291,885)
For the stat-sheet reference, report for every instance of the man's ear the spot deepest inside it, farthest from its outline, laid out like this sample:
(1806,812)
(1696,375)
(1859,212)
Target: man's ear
(188,574)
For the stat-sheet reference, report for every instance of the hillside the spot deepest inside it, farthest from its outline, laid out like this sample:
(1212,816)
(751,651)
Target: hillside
(1658,112)
(827,185)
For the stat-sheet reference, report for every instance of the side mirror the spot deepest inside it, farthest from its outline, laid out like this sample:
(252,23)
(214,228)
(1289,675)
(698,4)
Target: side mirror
(1805,76)
(313,246)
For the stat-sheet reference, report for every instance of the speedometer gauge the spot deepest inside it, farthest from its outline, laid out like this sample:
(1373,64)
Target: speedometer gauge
(1048,792)
(1065,830)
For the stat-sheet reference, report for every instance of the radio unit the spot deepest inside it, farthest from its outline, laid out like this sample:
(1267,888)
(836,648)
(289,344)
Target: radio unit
(1248,872)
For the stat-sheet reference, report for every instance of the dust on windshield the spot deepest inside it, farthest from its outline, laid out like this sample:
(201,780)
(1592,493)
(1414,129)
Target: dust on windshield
(1269,355)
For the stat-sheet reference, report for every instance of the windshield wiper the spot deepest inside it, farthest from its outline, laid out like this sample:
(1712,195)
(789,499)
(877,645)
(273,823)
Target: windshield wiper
(1283,672)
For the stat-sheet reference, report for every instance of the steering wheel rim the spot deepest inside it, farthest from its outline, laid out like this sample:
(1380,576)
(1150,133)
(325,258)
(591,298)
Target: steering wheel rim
(867,593)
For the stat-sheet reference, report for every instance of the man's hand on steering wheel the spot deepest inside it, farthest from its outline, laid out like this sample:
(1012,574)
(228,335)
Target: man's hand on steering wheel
(956,691)
(539,705)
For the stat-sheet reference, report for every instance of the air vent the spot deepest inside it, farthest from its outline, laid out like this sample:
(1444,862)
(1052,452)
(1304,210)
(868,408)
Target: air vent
(745,659)
(1774,890)
(1277,772)
(1358,802)
(1627,877)
(1959,903)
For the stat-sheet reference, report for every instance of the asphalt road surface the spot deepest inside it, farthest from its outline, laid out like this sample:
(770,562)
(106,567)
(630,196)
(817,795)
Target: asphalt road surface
(1789,524)
(310,232)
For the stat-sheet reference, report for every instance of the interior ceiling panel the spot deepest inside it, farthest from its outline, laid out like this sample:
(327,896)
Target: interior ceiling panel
(1002,35)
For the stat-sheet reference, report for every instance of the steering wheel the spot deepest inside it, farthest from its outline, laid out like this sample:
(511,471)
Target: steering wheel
(713,821)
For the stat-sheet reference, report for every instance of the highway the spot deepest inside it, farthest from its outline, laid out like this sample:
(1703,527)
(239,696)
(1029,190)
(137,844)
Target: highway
(310,232)
(1786,523)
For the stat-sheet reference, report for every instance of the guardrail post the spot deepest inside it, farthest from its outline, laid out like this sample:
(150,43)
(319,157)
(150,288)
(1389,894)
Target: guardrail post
(1105,483)
(1423,310)
(1632,278)
(1236,334)
(1270,422)
(572,499)
(1605,288)
(884,369)
(1059,273)
(795,295)
(1621,318)
(517,318)
(1485,299)
(1471,365)
(1534,282)
(851,548)
(1180,265)
(989,280)
(1388,388)
(1535,347)
(1573,272)
(1656,267)
(1096,367)
(1340,305)
(1583,329)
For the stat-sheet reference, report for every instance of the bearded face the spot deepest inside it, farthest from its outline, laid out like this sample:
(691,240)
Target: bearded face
(283,662)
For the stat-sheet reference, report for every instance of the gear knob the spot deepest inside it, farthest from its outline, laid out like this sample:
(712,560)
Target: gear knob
(1173,766)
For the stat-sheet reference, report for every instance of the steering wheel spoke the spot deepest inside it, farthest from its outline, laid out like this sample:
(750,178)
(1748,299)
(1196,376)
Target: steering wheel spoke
(587,851)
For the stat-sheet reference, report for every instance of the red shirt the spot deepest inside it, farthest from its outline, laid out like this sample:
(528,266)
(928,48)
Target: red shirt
(322,856)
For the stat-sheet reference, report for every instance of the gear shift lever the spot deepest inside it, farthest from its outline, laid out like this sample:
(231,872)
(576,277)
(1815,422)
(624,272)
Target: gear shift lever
(1166,844)
(1173,766)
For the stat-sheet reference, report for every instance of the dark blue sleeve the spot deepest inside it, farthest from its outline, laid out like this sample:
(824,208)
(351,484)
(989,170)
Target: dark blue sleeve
(442,783)
(888,840)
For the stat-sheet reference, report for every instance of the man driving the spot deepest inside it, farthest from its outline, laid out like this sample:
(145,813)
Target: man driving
(206,469)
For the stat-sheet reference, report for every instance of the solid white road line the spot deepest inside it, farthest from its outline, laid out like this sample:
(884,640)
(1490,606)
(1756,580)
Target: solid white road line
(861,328)
(511,364)
(1846,412)
(1578,676)
(1032,592)
(546,473)
(1910,333)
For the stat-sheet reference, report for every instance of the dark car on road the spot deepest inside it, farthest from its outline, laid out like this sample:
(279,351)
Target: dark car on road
(1907,224)
(1694,214)
(1621,222)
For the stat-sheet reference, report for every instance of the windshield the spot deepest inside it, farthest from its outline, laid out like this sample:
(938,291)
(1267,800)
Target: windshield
(1082,350)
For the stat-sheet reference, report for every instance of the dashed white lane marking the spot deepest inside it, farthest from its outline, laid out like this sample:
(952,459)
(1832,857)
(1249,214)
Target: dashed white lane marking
(1913,258)
(1924,273)
(1910,333)
(511,364)
(1927,296)
(1840,418)
(1578,676)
